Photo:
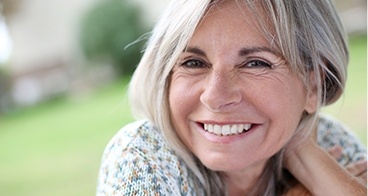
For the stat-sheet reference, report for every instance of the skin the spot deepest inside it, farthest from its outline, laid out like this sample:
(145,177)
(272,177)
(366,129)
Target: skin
(357,169)
(230,74)
(318,172)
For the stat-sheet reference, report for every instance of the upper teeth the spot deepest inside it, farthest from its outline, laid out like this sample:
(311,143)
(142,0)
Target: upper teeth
(226,129)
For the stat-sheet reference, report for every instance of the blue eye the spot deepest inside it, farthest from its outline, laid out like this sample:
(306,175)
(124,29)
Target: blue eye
(192,63)
(257,64)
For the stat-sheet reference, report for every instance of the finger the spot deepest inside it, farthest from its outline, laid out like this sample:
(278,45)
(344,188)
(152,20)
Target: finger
(298,190)
(363,177)
(335,151)
(357,168)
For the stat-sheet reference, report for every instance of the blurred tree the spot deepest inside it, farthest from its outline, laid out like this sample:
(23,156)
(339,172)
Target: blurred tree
(106,31)
(5,104)
(8,7)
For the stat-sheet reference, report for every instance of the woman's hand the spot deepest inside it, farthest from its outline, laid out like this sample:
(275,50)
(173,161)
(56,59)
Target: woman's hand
(358,169)
(298,190)
(318,172)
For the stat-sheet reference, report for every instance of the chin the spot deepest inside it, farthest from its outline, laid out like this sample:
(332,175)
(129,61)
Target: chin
(236,162)
(224,164)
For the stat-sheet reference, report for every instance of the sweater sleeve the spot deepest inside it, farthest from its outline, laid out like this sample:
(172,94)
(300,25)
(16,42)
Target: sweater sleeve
(331,132)
(132,174)
(137,162)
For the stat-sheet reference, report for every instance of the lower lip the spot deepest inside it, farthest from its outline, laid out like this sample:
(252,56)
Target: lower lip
(226,139)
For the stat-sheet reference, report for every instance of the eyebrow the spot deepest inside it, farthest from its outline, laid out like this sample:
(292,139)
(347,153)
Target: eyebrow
(247,51)
(195,50)
(242,52)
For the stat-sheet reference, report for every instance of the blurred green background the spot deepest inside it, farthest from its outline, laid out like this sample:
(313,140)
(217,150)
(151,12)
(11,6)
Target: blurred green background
(54,146)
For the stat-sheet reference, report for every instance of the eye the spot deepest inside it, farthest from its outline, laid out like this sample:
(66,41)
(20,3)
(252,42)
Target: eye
(194,64)
(257,64)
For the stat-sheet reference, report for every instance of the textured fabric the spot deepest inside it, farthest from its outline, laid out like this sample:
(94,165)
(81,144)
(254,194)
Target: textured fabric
(138,161)
(331,132)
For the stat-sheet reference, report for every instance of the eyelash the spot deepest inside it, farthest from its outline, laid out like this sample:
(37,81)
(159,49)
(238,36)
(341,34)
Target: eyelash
(258,64)
(186,64)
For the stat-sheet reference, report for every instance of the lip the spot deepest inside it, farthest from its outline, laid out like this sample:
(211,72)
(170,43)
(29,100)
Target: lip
(224,139)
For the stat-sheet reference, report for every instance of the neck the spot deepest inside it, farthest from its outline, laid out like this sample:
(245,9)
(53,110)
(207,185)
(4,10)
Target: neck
(242,182)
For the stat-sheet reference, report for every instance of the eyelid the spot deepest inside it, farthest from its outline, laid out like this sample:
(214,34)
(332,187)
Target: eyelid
(194,59)
(255,59)
(264,56)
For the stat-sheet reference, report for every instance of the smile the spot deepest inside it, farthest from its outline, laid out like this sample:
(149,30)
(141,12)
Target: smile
(224,130)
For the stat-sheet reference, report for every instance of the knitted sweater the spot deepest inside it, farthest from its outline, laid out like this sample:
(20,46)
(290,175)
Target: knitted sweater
(138,161)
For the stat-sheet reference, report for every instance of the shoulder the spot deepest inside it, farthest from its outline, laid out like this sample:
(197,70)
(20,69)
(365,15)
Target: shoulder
(132,136)
(138,161)
(331,132)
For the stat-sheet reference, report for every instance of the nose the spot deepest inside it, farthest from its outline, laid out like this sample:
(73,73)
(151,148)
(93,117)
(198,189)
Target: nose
(221,93)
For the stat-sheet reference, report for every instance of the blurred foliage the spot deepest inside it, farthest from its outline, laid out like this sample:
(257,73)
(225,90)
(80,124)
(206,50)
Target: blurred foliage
(106,31)
(4,91)
(8,7)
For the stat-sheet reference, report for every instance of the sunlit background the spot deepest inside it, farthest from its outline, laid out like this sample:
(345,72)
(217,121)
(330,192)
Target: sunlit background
(64,67)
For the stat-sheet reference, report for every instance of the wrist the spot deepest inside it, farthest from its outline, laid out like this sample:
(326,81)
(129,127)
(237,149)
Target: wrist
(319,172)
(298,154)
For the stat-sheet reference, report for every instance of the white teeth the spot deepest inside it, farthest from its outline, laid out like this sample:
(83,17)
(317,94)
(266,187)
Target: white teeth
(227,129)
(240,128)
(217,129)
(209,128)
(247,126)
(234,129)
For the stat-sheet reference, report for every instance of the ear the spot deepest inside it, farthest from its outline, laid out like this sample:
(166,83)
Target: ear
(312,94)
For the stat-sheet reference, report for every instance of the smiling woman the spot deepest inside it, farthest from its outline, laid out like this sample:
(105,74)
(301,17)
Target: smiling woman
(237,79)
(231,102)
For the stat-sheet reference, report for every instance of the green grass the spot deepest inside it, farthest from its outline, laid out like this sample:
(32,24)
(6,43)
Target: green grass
(56,147)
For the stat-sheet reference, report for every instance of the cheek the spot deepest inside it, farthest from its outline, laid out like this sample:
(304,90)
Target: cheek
(182,99)
(282,99)
(285,97)
(182,102)
(284,107)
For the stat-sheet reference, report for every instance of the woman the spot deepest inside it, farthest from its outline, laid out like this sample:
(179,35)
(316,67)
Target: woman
(231,91)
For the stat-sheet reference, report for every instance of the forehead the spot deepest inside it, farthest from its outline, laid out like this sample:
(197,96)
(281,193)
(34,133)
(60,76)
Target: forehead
(228,11)
(229,23)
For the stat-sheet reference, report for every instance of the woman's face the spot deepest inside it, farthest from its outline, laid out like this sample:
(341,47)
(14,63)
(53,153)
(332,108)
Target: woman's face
(234,102)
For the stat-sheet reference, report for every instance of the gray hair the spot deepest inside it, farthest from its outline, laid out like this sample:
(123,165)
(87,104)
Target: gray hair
(308,34)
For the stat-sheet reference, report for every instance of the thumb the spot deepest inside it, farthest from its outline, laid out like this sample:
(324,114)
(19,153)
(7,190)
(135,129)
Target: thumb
(335,151)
